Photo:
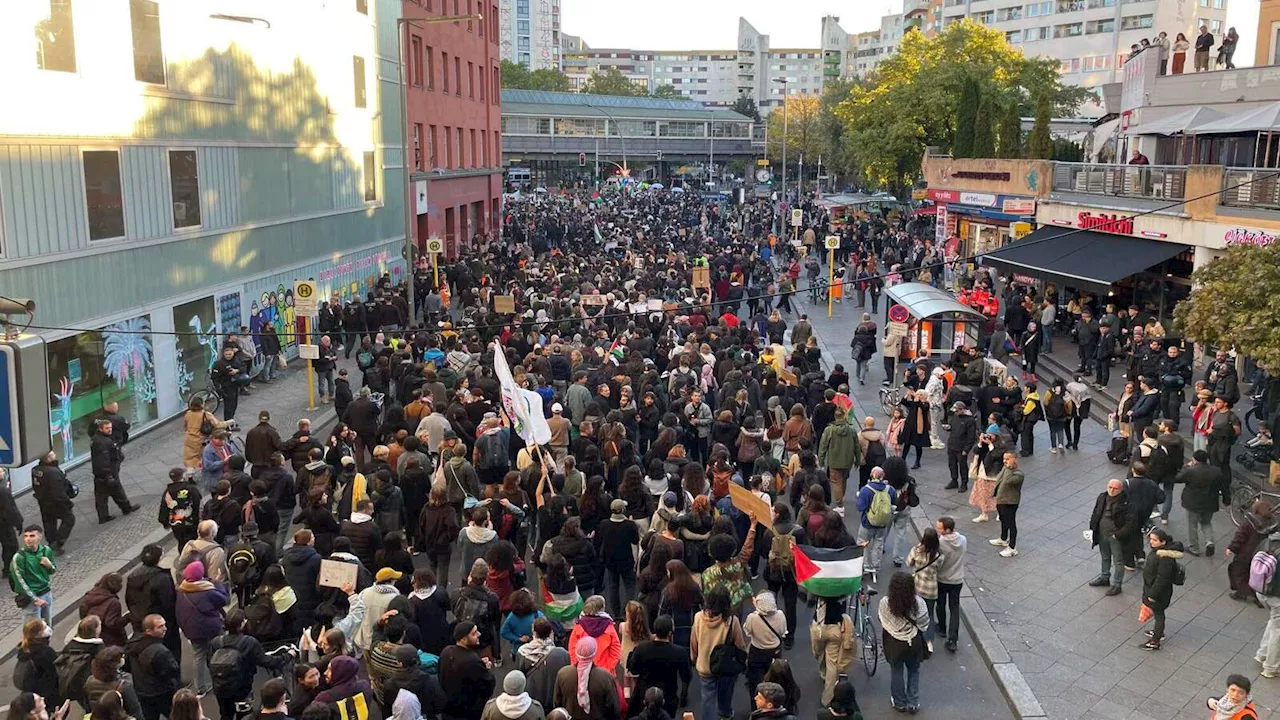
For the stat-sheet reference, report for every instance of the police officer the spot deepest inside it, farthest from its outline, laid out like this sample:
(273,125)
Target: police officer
(105,456)
(53,494)
(1175,373)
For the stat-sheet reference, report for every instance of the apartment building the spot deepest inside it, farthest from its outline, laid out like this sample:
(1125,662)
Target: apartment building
(529,32)
(167,170)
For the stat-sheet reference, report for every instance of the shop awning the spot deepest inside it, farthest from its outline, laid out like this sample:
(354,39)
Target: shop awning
(925,301)
(1083,256)
(1184,122)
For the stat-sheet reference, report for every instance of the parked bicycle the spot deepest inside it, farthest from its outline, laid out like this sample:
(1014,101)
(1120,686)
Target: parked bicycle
(890,398)
(1244,494)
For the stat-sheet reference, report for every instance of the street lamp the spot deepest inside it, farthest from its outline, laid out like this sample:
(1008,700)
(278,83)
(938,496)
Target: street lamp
(784,81)
(402,40)
(625,170)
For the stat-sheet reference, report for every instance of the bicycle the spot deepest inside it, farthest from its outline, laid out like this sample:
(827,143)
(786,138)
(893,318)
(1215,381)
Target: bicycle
(890,398)
(1243,495)
(211,395)
(865,629)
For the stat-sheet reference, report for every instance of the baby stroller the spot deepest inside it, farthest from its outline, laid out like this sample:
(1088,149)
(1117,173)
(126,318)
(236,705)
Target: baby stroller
(1255,456)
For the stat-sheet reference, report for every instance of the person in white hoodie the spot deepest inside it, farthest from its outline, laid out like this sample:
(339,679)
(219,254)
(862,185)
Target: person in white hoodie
(377,599)
(406,706)
(514,703)
(952,547)
(477,536)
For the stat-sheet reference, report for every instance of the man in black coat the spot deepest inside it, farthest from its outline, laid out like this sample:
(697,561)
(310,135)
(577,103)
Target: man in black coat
(662,664)
(1111,525)
(362,417)
(52,491)
(156,672)
(1222,379)
(1087,341)
(464,675)
(298,447)
(1144,496)
(119,425)
(1200,500)
(1107,347)
(149,590)
(1175,373)
(301,565)
(962,434)
(260,442)
(1166,462)
(364,533)
(105,458)
(283,493)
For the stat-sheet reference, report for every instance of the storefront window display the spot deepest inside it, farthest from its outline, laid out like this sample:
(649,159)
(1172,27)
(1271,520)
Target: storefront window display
(89,370)
(197,347)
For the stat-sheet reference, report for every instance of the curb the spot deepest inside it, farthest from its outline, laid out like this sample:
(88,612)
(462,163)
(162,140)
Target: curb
(1022,700)
(120,564)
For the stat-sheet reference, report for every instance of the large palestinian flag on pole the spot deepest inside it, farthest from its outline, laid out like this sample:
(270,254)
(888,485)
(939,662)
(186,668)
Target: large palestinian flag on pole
(828,572)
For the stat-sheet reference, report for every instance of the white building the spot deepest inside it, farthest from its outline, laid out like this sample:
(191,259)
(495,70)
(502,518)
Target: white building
(530,32)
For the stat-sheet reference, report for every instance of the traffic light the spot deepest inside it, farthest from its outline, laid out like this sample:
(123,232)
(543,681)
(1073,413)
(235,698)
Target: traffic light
(582,159)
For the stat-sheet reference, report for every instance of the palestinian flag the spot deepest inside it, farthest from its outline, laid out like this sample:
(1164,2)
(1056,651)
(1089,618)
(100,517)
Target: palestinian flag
(616,350)
(563,608)
(828,572)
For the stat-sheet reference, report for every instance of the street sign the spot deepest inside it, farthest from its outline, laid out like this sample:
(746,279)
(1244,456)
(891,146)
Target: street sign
(305,298)
(582,159)
(833,242)
(435,245)
(308,352)
(899,313)
(797,217)
(897,329)
(762,162)
(1020,230)
(10,432)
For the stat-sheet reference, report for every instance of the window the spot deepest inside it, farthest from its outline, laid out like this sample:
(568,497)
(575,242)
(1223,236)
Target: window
(431,148)
(462,155)
(184,188)
(55,39)
(429,54)
(471,80)
(415,59)
(448,148)
(357,66)
(522,8)
(1070,5)
(1071,30)
(473,149)
(1014,37)
(523,59)
(148,58)
(1215,26)
(444,71)
(522,43)
(522,27)
(370,176)
(1070,65)
(1097,63)
(470,11)
(1136,22)
(1093,27)
(417,146)
(104,195)
(1219,4)
(1010,13)
(984,18)
(493,24)
(362,7)
(484,148)
(483,97)
(457,76)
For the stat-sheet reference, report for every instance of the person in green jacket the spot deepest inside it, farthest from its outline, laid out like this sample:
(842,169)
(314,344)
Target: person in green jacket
(838,451)
(1008,497)
(30,571)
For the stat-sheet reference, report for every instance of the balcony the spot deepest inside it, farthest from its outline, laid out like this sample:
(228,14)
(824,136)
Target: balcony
(1251,188)
(1131,181)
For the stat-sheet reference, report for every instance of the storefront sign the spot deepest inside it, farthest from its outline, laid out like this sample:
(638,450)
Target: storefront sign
(976,175)
(942,196)
(940,225)
(1114,223)
(1016,206)
(1020,230)
(979,199)
(1023,279)
(1241,237)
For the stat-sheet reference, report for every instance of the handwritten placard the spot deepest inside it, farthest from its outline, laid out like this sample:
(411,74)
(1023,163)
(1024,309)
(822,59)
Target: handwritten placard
(747,502)
(504,304)
(335,573)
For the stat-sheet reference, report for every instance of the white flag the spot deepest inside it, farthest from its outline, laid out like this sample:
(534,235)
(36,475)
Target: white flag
(524,407)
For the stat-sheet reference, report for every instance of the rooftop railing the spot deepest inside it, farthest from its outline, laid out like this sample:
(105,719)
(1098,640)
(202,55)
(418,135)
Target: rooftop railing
(1157,182)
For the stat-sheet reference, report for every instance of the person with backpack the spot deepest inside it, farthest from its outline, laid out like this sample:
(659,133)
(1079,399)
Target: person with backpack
(765,628)
(492,453)
(780,567)
(875,506)
(1243,548)
(246,561)
(180,505)
(31,570)
(898,477)
(871,443)
(1159,574)
(157,674)
(225,510)
(717,646)
(233,661)
(839,450)
(477,604)
(205,549)
(73,662)
(199,608)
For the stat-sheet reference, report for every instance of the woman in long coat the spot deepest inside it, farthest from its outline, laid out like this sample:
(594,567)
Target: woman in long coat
(192,439)
(915,431)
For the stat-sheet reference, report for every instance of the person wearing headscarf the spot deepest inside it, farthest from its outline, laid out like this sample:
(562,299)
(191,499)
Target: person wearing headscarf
(342,681)
(514,703)
(765,628)
(596,624)
(585,690)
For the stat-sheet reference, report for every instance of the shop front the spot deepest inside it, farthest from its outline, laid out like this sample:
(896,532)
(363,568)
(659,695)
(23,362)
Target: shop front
(980,222)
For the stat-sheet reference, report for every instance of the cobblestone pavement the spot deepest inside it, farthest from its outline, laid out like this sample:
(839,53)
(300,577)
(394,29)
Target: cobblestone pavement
(1079,651)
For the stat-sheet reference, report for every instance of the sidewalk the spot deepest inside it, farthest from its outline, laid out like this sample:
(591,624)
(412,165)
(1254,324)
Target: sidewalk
(94,549)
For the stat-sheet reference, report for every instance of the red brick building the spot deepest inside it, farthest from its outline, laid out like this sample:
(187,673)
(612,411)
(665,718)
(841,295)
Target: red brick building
(454,119)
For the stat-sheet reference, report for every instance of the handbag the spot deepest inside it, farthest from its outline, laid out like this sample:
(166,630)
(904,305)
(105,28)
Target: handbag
(206,425)
(727,659)
(468,501)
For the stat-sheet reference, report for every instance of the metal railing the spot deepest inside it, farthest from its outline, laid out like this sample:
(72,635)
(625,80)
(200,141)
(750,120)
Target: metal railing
(1136,181)
(1251,187)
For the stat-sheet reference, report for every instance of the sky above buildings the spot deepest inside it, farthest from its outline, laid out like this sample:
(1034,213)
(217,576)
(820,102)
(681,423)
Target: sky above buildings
(713,24)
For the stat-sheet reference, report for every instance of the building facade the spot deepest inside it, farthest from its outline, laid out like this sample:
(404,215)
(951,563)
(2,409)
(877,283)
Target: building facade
(529,32)
(454,121)
(167,174)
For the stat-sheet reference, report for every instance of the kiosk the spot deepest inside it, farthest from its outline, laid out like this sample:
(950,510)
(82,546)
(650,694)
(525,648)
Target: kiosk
(935,322)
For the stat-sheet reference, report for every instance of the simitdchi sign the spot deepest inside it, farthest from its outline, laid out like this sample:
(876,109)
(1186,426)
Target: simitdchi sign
(1114,223)
(1241,236)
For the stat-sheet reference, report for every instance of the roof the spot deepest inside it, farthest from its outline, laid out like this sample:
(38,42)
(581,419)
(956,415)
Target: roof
(1182,122)
(925,301)
(1084,256)
(564,104)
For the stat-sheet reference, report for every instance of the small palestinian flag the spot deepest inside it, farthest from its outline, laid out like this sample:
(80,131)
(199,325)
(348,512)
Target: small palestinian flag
(617,350)
(564,608)
(828,572)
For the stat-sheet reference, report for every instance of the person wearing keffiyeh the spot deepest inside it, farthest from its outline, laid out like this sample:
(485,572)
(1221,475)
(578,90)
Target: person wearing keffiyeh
(586,691)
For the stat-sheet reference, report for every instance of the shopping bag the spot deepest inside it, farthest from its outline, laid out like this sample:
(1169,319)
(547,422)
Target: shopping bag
(1144,613)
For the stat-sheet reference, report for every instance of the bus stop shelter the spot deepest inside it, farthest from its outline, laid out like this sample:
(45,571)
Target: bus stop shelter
(937,323)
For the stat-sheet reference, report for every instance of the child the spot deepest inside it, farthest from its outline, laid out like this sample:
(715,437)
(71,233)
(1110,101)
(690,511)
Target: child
(1262,439)
(896,422)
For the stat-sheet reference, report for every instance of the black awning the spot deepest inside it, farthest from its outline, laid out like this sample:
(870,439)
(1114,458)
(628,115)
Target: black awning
(1083,256)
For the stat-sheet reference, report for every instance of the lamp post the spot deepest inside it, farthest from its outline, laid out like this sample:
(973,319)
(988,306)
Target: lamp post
(784,81)
(402,41)
(625,170)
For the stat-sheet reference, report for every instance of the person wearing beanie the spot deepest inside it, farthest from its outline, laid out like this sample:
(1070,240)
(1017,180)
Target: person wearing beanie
(464,675)
(199,609)
(616,541)
(585,689)
(423,689)
(514,703)
(180,506)
(343,682)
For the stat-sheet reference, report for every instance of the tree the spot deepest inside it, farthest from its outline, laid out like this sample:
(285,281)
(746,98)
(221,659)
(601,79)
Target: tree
(1010,132)
(984,137)
(666,91)
(612,82)
(1234,303)
(804,136)
(1040,144)
(966,119)
(746,105)
(519,77)
(837,155)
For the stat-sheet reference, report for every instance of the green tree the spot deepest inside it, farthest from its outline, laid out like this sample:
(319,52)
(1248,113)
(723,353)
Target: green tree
(1040,144)
(518,77)
(967,119)
(746,105)
(1234,303)
(984,136)
(612,82)
(837,155)
(666,91)
(1010,132)
(804,136)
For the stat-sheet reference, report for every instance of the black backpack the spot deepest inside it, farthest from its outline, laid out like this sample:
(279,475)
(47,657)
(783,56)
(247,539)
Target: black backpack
(468,607)
(242,565)
(73,670)
(876,454)
(226,666)
(262,618)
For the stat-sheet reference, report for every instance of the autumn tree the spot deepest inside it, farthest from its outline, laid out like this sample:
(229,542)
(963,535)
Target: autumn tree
(804,135)
(836,153)
(1235,302)
(612,82)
